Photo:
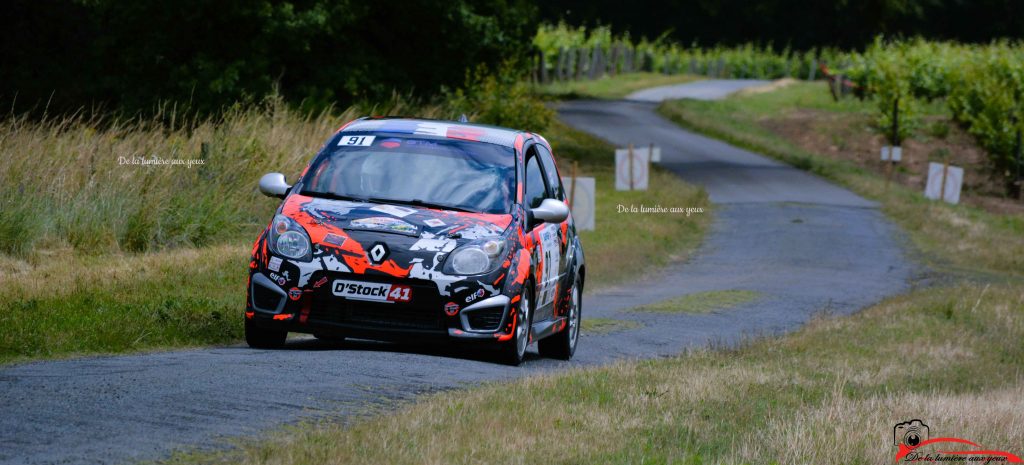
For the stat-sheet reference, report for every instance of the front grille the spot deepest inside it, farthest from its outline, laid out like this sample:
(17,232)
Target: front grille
(423,313)
(395,317)
(485,319)
(383,316)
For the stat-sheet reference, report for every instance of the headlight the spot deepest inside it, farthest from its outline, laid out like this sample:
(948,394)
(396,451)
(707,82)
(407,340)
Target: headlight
(476,257)
(288,238)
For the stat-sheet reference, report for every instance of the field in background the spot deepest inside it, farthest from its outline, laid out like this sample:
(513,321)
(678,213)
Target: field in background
(802,126)
(609,87)
(118,258)
(979,86)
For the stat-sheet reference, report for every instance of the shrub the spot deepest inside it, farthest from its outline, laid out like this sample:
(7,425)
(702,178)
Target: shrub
(502,99)
(987,96)
(983,86)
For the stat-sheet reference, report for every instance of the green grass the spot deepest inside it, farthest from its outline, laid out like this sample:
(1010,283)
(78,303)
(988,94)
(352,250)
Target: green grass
(701,302)
(952,237)
(61,300)
(601,326)
(68,303)
(949,356)
(610,87)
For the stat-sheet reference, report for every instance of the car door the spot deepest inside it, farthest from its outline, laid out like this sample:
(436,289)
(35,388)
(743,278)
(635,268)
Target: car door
(549,251)
(557,192)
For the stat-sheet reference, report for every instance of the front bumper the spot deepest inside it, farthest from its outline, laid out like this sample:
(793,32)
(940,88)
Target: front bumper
(318,310)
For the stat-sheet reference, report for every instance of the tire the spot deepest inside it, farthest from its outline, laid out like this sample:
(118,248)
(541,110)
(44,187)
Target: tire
(263,338)
(513,351)
(563,345)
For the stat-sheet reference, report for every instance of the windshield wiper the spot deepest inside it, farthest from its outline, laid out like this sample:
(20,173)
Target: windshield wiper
(420,203)
(332,196)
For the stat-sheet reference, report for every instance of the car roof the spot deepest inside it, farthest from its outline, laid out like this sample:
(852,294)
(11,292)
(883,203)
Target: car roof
(438,128)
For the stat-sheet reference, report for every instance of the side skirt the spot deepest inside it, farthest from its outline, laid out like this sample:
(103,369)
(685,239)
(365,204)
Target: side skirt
(543,329)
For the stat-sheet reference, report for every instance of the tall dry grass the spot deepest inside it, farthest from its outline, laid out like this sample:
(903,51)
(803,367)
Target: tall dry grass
(64,181)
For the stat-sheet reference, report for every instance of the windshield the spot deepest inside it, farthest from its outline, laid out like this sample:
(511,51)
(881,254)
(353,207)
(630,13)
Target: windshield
(438,173)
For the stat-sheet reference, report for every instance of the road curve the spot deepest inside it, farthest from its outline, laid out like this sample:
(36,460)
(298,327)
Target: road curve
(711,89)
(803,244)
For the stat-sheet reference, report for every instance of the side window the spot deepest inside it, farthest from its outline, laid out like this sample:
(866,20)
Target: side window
(535,190)
(551,172)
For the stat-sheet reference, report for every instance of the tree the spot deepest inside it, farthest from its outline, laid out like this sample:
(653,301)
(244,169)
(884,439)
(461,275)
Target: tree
(204,55)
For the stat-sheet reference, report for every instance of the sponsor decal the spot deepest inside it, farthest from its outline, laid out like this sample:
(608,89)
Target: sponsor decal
(476,295)
(320,282)
(423,143)
(275,264)
(431,129)
(391,143)
(294,293)
(334,239)
(434,223)
(465,133)
(280,280)
(383,223)
(911,437)
(451,308)
(356,141)
(375,292)
(396,210)
(378,253)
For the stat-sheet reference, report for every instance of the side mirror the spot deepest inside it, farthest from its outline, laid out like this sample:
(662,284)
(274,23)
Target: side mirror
(274,185)
(550,211)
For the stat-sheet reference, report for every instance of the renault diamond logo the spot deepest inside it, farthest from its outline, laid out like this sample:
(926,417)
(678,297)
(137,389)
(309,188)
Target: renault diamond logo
(378,253)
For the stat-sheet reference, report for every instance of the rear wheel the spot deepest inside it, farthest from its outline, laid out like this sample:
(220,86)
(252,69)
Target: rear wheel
(563,345)
(513,351)
(263,338)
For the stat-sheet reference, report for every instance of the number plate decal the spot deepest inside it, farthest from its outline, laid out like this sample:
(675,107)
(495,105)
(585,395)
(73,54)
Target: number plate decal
(356,141)
(375,292)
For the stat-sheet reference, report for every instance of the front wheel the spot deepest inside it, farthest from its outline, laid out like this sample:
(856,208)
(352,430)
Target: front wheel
(263,338)
(563,345)
(513,351)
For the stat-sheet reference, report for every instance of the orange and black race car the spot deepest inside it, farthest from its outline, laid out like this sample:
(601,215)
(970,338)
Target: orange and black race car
(406,229)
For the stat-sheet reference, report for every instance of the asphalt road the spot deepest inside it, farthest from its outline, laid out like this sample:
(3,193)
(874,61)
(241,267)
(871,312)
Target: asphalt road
(806,246)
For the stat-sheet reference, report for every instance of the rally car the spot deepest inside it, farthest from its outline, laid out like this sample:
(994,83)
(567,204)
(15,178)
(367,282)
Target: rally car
(410,229)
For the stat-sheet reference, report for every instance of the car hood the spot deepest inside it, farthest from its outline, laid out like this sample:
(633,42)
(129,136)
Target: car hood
(348,229)
(416,222)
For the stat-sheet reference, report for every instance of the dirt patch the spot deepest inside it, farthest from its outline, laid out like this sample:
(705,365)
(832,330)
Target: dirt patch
(850,137)
(774,85)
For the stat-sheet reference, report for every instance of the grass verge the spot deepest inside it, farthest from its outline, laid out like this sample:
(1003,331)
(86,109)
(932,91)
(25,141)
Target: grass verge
(949,356)
(609,87)
(62,301)
(953,237)
(701,302)
(58,304)
(601,326)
